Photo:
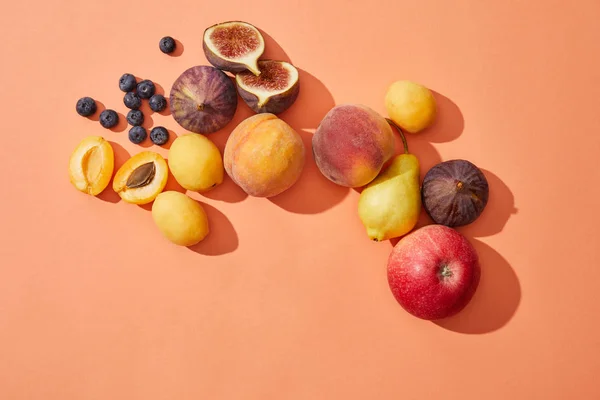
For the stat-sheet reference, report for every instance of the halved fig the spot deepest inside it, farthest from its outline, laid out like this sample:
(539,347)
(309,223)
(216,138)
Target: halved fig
(233,46)
(203,99)
(273,91)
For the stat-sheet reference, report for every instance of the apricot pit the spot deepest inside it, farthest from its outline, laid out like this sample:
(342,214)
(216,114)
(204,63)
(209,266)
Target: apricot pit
(141,178)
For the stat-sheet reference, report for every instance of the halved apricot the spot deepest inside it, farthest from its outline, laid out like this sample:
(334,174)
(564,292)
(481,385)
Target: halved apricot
(141,178)
(91,165)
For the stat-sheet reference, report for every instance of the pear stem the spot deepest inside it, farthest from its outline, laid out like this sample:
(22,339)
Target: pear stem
(404,142)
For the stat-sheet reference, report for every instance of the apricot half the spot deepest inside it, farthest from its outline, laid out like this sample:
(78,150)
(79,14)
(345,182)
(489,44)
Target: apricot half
(91,165)
(141,178)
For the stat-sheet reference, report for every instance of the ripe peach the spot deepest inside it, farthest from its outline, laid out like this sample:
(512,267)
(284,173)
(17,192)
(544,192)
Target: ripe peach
(264,155)
(351,145)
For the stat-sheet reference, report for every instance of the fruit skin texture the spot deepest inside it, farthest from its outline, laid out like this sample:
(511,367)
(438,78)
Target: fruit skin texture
(137,134)
(146,89)
(109,118)
(86,106)
(410,105)
(135,117)
(203,99)
(145,194)
(274,101)
(91,165)
(247,61)
(264,155)
(433,272)
(179,218)
(127,83)
(167,45)
(390,205)
(196,162)
(132,101)
(157,103)
(159,135)
(455,192)
(351,145)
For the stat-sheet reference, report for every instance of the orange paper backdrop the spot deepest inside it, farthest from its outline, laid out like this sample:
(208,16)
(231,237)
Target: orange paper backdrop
(287,298)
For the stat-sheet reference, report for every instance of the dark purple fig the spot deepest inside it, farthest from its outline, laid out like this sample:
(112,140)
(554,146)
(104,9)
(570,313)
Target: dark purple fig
(273,91)
(233,46)
(454,193)
(203,99)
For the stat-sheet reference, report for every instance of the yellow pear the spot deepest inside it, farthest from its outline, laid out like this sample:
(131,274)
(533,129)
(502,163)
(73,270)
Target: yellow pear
(390,205)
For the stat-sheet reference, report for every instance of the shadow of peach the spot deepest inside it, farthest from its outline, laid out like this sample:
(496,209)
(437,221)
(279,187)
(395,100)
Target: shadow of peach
(499,209)
(496,299)
(222,237)
(121,155)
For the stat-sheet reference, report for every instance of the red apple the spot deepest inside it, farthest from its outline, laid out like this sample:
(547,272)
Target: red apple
(433,272)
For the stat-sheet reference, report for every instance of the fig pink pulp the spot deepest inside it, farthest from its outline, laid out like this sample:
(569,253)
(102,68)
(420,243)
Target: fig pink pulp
(433,272)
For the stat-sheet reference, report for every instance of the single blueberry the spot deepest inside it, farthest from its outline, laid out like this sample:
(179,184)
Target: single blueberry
(86,106)
(159,135)
(157,102)
(137,134)
(135,117)
(146,89)
(109,118)
(127,83)
(167,45)
(132,100)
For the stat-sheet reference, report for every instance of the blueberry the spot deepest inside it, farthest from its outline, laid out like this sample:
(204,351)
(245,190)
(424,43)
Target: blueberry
(167,45)
(132,100)
(159,135)
(109,118)
(145,89)
(86,106)
(157,102)
(127,83)
(137,134)
(135,117)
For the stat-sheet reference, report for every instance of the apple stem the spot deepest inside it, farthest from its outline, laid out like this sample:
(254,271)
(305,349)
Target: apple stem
(200,107)
(445,271)
(404,142)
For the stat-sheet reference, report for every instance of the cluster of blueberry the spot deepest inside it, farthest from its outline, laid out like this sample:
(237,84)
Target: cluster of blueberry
(135,92)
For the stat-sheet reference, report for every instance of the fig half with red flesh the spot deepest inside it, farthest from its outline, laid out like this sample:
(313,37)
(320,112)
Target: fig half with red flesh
(273,91)
(203,99)
(234,46)
(454,192)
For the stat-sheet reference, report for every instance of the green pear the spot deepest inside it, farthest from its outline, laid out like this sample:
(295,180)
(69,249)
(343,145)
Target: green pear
(390,205)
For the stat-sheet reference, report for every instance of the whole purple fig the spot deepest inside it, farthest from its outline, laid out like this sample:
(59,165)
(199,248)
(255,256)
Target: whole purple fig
(454,193)
(203,99)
